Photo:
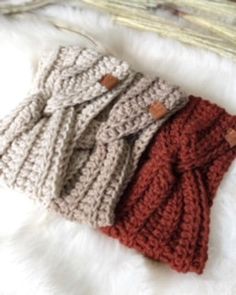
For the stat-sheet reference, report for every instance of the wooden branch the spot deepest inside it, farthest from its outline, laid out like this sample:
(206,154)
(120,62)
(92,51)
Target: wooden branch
(24,7)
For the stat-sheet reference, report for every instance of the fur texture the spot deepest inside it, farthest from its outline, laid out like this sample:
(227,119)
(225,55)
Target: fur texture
(43,254)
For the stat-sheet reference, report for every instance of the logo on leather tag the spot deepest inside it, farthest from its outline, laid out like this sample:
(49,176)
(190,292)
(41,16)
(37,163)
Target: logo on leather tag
(109,81)
(158,110)
(231,137)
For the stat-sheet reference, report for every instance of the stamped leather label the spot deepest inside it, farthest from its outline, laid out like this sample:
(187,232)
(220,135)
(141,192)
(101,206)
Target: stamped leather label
(109,81)
(158,110)
(231,137)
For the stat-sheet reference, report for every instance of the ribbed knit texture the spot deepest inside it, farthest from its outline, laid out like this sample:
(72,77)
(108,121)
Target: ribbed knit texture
(76,141)
(165,211)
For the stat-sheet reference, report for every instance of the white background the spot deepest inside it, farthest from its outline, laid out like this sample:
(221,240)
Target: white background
(43,254)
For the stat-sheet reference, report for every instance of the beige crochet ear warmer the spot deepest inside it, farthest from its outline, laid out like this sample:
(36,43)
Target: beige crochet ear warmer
(75,142)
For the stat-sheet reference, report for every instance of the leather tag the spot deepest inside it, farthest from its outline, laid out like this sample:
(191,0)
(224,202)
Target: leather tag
(109,81)
(158,110)
(231,137)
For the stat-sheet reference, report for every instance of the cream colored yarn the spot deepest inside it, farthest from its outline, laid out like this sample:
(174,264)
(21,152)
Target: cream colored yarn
(74,143)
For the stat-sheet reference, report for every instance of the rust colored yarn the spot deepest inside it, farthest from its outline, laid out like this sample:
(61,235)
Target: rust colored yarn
(165,212)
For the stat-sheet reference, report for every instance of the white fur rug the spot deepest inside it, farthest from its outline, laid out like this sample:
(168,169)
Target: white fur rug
(41,253)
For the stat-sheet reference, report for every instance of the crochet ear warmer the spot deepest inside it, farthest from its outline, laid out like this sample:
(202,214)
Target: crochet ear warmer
(165,210)
(76,141)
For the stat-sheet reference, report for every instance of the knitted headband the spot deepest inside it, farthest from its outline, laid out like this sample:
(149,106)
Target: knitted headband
(165,211)
(76,141)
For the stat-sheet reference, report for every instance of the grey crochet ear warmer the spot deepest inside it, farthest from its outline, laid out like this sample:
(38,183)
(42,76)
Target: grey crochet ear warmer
(75,142)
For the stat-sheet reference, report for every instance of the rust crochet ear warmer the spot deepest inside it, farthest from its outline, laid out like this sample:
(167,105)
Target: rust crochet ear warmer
(76,140)
(165,211)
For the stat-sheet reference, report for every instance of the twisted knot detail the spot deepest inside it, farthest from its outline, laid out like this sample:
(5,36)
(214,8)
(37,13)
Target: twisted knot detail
(75,143)
(165,211)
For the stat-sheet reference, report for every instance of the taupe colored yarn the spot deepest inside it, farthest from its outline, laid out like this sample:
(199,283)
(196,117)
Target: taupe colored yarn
(76,141)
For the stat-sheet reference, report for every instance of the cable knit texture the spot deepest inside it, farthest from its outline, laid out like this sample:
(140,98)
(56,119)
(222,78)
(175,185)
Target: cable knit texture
(76,141)
(165,211)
